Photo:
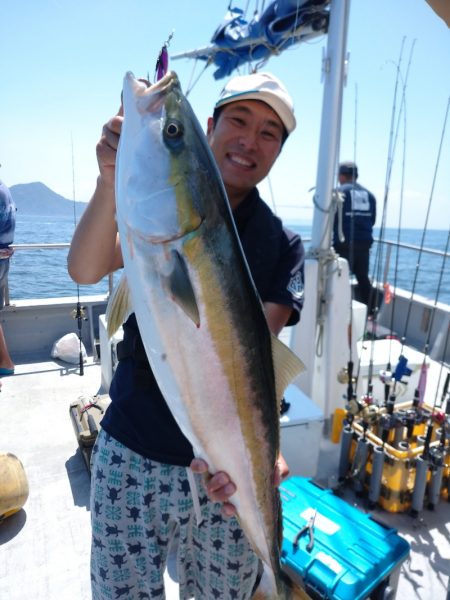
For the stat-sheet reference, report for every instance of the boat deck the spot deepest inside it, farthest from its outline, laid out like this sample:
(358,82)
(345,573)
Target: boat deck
(44,548)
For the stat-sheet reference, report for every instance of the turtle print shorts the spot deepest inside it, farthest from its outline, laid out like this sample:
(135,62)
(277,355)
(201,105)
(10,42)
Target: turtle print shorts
(142,513)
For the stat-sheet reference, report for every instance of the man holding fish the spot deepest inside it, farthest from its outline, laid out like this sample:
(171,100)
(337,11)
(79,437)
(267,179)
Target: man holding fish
(194,331)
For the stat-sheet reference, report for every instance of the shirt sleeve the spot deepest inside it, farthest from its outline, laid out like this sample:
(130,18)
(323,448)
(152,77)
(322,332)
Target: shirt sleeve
(4,211)
(287,284)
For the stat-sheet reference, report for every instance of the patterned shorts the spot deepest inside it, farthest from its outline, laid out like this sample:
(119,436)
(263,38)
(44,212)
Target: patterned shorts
(139,507)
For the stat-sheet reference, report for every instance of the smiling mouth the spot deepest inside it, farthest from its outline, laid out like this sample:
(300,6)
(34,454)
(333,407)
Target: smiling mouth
(241,161)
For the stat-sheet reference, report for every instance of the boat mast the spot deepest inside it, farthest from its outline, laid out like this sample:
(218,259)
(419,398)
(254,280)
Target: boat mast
(324,323)
(333,66)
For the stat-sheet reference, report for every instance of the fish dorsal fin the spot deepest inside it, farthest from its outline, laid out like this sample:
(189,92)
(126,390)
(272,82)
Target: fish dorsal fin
(286,364)
(119,306)
(181,289)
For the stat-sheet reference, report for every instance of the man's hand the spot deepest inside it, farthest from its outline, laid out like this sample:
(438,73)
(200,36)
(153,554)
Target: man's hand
(107,148)
(220,488)
(281,470)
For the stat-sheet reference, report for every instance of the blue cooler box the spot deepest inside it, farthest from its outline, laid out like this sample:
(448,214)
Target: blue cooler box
(353,556)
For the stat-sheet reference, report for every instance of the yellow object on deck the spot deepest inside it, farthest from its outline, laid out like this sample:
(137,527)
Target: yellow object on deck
(13,485)
(338,423)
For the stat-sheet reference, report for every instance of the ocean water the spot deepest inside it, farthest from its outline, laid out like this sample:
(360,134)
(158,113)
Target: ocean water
(43,273)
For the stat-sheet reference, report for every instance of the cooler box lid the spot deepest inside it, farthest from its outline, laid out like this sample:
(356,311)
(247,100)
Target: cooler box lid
(352,553)
(302,409)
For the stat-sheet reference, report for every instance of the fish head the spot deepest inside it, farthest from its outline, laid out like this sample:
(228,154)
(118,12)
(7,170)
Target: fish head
(162,164)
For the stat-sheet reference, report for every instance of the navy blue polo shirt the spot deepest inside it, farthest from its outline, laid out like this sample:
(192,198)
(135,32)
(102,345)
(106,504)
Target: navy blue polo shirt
(138,415)
(359,213)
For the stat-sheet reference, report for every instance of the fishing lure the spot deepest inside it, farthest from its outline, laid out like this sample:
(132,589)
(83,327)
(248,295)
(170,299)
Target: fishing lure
(162,62)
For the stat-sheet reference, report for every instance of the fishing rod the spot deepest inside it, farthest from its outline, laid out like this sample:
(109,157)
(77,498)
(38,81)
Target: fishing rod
(445,388)
(80,311)
(428,460)
(391,383)
(401,367)
(350,363)
(422,379)
(393,138)
(424,231)
(378,255)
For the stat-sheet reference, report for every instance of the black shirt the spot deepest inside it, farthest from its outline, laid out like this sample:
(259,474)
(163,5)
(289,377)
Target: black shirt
(138,415)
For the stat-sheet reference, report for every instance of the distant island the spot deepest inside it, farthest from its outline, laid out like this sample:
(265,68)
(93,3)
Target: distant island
(37,199)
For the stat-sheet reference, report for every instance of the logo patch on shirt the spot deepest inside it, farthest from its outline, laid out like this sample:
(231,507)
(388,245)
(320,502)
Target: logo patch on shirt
(360,200)
(296,286)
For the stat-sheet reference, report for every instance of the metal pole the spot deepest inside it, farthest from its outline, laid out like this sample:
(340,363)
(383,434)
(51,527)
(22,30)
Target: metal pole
(346,440)
(334,72)
(376,475)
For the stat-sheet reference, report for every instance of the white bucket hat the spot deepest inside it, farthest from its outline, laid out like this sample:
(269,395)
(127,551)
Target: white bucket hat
(264,87)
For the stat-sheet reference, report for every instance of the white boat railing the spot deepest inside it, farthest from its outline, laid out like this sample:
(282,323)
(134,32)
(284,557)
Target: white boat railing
(390,244)
(18,248)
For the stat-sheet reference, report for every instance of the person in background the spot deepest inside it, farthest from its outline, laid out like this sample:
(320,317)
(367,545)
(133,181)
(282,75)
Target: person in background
(7,228)
(358,220)
(141,499)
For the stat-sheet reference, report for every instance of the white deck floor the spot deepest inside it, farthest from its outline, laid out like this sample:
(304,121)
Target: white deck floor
(44,548)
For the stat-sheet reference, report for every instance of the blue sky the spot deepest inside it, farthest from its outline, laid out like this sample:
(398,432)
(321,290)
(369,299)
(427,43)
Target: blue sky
(62,64)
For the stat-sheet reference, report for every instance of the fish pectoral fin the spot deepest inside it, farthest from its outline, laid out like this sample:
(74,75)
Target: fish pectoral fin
(181,289)
(119,306)
(287,365)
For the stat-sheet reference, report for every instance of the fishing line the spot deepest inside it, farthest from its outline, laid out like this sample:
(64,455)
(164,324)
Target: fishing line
(446,384)
(393,138)
(396,120)
(272,196)
(79,313)
(403,170)
(408,316)
(438,290)
(350,363)
(431,321)
(397,253)
(393,132)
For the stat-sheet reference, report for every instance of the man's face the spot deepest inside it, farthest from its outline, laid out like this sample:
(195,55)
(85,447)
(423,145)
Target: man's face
(246,141)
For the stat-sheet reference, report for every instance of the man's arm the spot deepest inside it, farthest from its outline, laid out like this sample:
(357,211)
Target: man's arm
(277,316)
(95,248)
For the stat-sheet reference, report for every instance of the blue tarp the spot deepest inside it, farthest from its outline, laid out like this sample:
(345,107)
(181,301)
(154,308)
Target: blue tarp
(282,24)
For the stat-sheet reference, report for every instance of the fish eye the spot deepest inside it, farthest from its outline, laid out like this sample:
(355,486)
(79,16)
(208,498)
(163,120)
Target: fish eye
(174,129)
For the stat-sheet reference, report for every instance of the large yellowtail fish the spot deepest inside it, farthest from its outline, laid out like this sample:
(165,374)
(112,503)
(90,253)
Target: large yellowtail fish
(201,320)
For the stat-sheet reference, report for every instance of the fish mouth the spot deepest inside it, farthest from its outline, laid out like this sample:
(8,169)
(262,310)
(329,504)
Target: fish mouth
(169,80)
(167,239)
(158,90)
(151,98)
(186,230)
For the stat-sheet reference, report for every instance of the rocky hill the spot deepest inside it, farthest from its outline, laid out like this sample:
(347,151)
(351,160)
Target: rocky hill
(37,199)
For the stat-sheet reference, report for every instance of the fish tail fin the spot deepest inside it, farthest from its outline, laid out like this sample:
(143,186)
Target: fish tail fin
(267,587)
(119,306)
(283,589)
(287,365)
(291,590)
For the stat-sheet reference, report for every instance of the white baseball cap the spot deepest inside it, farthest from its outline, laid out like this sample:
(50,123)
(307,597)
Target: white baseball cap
(261,86)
